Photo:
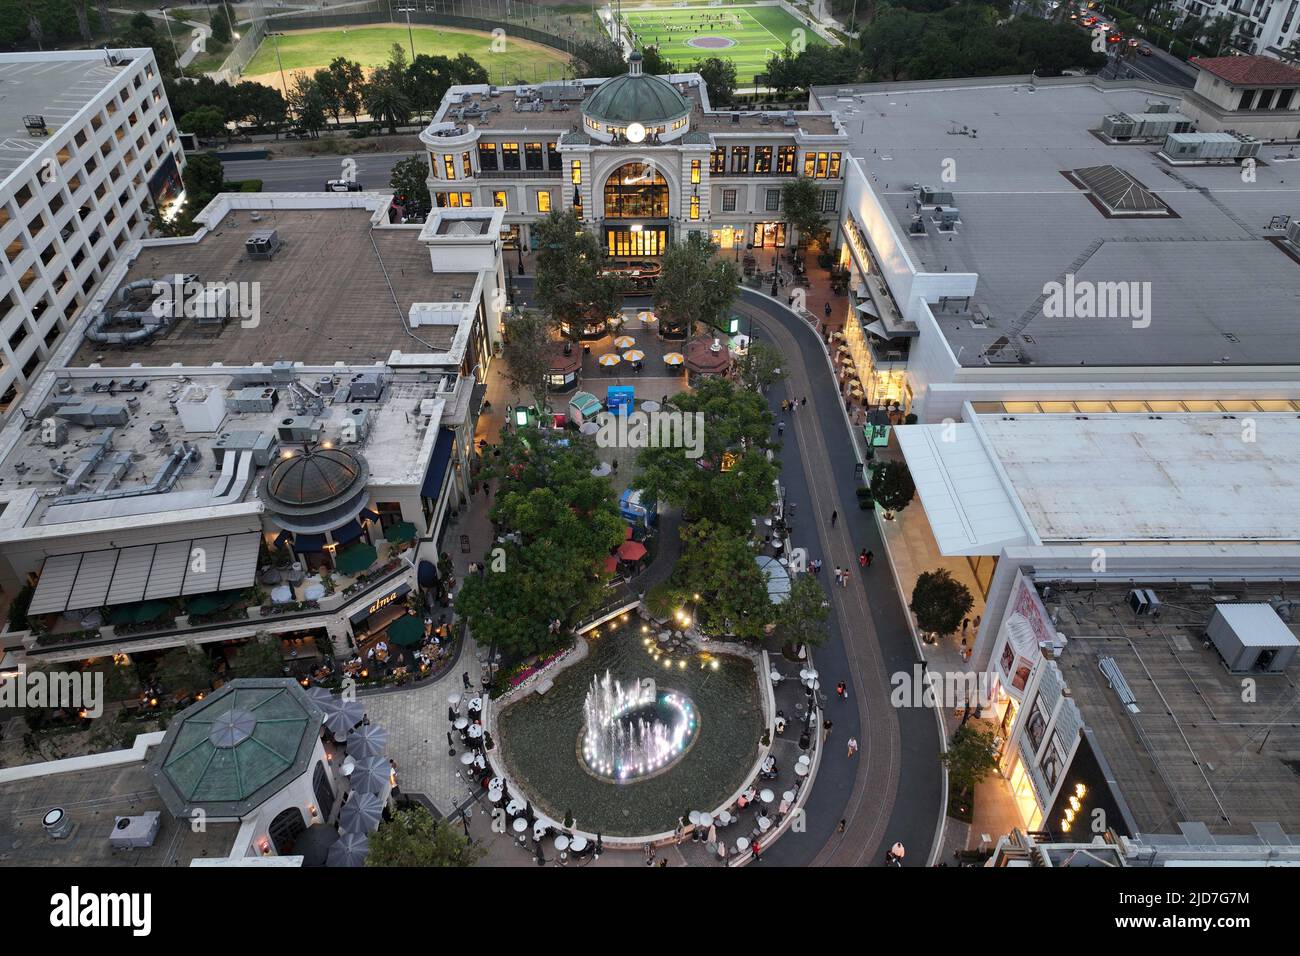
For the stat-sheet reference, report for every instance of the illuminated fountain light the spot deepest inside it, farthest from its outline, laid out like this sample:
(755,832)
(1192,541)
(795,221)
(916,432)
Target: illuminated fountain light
(632,731)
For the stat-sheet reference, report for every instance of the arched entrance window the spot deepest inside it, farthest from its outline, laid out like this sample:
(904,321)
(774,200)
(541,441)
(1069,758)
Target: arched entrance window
(636,191)
(285,829)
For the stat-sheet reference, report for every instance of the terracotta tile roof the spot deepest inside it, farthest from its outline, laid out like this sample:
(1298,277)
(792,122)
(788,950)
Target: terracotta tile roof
(1249,70)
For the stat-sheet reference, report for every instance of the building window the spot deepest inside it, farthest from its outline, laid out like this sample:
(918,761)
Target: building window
(509,155)
(554,161)
(810,164)
(625,243)
(695,172)
(636,191)
(577,172)
(830,200)
(449,166)
(785,158)
(695,207)
(320,785)
(1284,99)
(728,200)
(544,201)
(499,199)
(763,159)
(834,172)
(773,200)
(740,159)
(467,167)
(533,156)
(487,157)
(718,161)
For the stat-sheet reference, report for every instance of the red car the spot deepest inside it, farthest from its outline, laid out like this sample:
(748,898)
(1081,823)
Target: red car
(1115,38)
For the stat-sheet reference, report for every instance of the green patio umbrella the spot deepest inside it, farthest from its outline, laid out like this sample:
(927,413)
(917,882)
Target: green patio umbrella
(356,558)
(138,613)
(401,532)
(406,631)
(215,601)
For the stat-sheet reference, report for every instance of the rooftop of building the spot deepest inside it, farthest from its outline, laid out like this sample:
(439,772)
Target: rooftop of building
(328,295)
(249,407)
(1249,70)
(1199,751)
(511,109)
(55,86)
(93,799)
(1221,291)
(1005,480)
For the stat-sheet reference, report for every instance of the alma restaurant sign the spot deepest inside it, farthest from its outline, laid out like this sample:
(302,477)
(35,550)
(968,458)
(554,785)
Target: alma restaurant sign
(859,242)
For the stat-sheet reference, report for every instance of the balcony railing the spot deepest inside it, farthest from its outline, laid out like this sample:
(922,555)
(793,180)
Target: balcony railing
(520,174)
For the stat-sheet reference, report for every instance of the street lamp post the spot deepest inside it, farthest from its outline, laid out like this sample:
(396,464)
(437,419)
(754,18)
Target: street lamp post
(283,82)
(168,22)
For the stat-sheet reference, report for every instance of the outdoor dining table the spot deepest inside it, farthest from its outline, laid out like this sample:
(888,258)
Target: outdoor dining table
(561,843)
(496,783)
(578,844)
(514,808)
(788,796)
(461,723)
(480,761)
(476,731)
(801,770)
(467,758)
(494,794)
(520,824)
(724,818)
(476,704)
(764,824)
(767,796)
(742,844)
(804,760)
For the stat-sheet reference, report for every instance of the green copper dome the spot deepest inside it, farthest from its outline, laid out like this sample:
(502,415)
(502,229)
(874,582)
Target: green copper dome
(636,97)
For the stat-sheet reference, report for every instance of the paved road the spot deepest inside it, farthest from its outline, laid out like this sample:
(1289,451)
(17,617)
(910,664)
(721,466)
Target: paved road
(892,789)
(308,174)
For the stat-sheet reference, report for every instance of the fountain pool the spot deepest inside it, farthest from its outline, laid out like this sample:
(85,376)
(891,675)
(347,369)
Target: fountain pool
(629,739)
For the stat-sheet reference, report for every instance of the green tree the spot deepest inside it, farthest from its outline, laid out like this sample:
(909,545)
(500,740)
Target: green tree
(203,177)
(719,79)
(717,563)
(414,838)
(597,58)
(569,282)
(760,366)
(731,480)
(695,287)
(940,601)
(801,200)
(410,181)
(527,351)
(892,485)
(205,122)
(343,89)
(221,25)
(184,670)
(429,78)
(384,98)
(264,106)
(259,656)
(971,756)
(655,63)
(783,73)
(307,102)
(801,618)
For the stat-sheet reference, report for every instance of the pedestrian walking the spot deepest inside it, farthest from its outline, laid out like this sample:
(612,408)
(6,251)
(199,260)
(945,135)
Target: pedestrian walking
(780,428)
(804,401)
(965,623)
(827,310)
(838,574)
(871,556)
(976,623)
(862,558)
(853,746)
(840,690)
(842,825)
(826,730)
(835,516)
(844,581)
(464,679)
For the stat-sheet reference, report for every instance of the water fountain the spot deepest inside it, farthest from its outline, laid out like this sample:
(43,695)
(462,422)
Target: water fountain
(632,731)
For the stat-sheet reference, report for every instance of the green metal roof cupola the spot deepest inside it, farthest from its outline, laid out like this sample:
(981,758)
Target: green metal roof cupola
(637,107)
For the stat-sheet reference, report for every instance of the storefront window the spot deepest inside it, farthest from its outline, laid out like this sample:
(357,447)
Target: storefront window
(769,235)
(636,191)
(631,243)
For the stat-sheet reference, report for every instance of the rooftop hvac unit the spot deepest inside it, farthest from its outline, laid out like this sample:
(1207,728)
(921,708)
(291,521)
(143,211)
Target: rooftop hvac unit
(356,425)
(1251,638)
(255,399)
(366,387)
(1293,232)
(1118,126)
(917,226)
(259,444)
(282,372)
(1156,106)
(947,217)
(262,244)
(134,833)
(93,414)
(1143,601)
(201,409)
(57,824)
(302,429)
(929,196)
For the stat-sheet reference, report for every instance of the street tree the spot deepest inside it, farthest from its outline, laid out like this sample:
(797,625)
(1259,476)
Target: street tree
(940,602)
(719,79)
(184,670)
(760,366)
(307,102)
(801,618)
(971,756)
(695,286)
(409,181)
(527,352)
(801,200)
(259,656)
(570,283)
(205,122)
(413,838)
(717,563)
(892,485)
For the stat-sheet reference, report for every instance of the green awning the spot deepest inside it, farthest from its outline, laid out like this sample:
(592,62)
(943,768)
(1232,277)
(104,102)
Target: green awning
(138,613)
(207,603)
(400,533)
(406,631)
(356,559)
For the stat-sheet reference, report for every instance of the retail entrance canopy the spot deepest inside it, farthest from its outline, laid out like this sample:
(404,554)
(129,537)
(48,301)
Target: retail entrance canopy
(91,579)
(970,509)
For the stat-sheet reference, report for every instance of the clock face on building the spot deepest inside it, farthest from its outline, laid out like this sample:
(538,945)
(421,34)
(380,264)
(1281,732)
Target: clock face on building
(635,132)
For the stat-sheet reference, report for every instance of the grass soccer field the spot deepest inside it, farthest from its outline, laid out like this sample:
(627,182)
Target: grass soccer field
(370,46)
(748,36)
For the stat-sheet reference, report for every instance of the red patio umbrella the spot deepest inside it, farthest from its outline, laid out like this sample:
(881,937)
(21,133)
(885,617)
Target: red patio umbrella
(628,536)
(611,564)
(631,550)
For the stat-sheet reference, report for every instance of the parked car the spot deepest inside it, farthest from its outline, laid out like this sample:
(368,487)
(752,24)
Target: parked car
(1145,49)
(342,186)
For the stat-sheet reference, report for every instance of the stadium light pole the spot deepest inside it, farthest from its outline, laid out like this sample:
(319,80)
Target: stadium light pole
(168,22)
(409,32)
(283,82)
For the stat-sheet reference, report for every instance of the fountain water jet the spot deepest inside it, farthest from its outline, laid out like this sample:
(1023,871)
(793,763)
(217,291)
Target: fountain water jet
(632,731)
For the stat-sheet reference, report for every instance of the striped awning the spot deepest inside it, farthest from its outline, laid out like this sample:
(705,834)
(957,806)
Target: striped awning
(91,579)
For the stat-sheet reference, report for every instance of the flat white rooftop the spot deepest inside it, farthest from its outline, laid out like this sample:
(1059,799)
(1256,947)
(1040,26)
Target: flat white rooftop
(1112,478)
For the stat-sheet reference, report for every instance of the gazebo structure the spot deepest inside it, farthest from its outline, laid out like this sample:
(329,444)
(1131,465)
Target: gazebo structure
(565,367)
(251,752)
(706,356)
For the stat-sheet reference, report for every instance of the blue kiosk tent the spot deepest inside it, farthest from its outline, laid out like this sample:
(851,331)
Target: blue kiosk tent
(634,511)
